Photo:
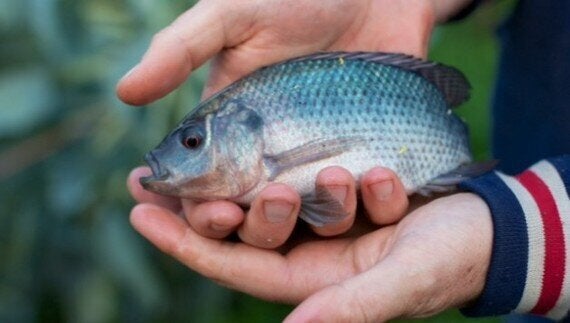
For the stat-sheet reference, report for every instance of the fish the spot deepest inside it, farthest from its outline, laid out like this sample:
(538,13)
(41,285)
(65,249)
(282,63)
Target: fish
(287,121)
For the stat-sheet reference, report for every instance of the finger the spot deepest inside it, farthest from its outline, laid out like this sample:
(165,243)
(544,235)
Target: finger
(192,39)
(173,53)
(259,272)
(340,183)
(384,196)
(216,219)
(262,273)
(160,225)
(143,196)
(272,217)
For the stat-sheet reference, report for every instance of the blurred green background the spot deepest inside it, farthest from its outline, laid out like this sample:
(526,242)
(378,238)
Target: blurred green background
(67,252)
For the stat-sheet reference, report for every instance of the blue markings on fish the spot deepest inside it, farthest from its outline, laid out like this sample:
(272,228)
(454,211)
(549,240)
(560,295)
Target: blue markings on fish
(285,122)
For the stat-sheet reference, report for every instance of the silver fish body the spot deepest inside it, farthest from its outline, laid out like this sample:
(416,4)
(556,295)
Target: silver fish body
(286,122)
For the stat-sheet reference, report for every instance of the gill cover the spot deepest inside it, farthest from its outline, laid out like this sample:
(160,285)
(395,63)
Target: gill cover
(236,150)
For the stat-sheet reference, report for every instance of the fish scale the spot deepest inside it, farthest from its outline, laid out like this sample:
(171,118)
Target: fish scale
(287,121)
(351,88)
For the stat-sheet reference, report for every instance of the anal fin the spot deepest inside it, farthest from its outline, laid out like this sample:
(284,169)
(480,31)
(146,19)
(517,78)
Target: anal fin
(321,208)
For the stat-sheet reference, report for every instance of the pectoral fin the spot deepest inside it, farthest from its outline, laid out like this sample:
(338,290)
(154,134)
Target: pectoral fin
(448,182)
(321,208)
(310,152)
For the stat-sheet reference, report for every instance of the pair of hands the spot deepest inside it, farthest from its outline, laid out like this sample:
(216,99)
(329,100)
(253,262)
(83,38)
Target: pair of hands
(434,258)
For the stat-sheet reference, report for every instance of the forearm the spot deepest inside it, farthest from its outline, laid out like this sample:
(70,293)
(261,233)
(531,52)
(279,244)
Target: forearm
(529,270)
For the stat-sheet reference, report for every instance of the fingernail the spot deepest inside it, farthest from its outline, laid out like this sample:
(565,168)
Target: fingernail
(339,192)
(382,190)
(277,211)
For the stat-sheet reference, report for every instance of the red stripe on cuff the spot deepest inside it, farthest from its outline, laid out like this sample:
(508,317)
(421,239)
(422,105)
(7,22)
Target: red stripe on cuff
(555,254)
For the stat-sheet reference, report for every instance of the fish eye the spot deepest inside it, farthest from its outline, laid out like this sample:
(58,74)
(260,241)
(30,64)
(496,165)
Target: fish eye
(192,136)
(192,141)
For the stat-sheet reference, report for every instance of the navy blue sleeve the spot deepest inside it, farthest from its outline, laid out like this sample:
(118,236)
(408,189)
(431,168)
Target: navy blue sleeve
(530,264)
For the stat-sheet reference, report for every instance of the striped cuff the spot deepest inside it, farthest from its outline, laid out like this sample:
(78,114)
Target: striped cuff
(530,265)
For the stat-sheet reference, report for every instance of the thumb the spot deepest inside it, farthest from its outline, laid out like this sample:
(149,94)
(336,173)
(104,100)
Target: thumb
(377,295)
(173,53)
(195,36)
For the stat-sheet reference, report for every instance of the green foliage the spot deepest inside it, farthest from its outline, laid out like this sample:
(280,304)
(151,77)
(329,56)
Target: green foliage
(67,145)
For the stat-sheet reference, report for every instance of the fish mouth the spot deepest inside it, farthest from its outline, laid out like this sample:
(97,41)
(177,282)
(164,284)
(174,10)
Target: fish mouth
(158,174)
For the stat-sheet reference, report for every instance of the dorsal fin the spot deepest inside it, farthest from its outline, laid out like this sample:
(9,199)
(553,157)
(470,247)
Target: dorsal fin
(450,81)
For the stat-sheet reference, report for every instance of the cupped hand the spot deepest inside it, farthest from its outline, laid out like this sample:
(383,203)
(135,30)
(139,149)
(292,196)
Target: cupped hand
(433,259)
(244,35)
(273,214)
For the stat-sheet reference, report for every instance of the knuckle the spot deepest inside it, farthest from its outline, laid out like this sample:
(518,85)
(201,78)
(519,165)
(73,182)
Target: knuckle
(261,240)
(334,175)
(160,36)
(166,35)
(183,250)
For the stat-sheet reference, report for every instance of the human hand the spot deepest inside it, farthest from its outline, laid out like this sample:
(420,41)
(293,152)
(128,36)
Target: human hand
(244,35)
(435,258)
(273,214)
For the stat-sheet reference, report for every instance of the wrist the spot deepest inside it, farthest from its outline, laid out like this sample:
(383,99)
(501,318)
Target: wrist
(480,228)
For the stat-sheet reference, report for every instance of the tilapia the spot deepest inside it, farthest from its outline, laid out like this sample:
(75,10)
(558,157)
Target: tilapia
(286,122)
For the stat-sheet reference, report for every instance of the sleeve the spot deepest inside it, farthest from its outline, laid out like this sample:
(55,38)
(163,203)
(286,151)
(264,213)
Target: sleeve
(530,264)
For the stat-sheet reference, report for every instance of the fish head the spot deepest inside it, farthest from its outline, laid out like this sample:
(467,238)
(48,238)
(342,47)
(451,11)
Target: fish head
(183,155)
(208,157)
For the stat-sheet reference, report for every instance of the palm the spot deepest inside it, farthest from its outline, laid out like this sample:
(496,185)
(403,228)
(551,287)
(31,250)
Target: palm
(414,254)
